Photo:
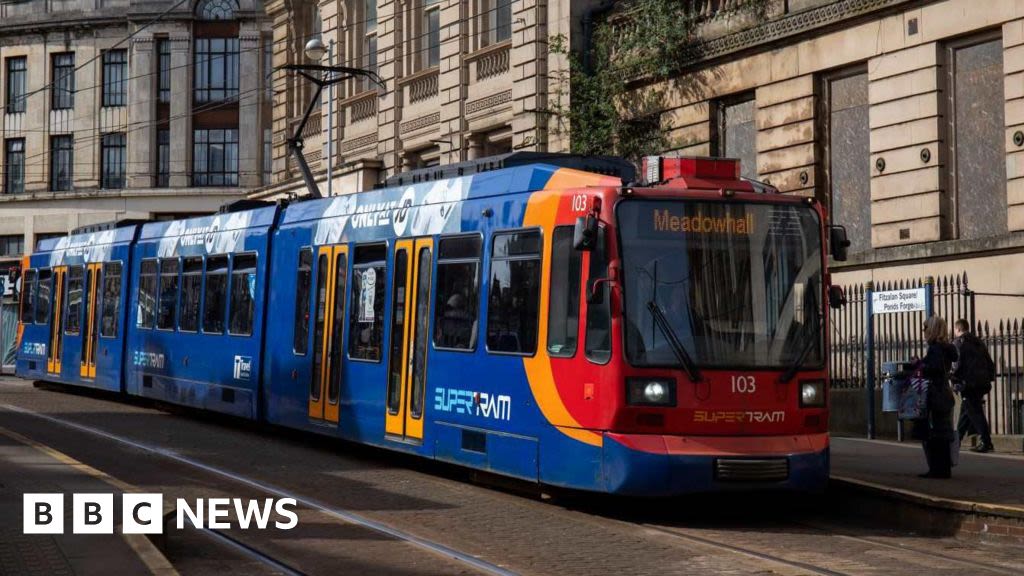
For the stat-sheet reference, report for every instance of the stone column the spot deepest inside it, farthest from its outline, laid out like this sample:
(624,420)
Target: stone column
(529,70)
(181,111)
(452,82)
(389,105)
(250,133)
(141,105)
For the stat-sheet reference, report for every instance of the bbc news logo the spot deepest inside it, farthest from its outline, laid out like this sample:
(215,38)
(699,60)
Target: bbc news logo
(143,513)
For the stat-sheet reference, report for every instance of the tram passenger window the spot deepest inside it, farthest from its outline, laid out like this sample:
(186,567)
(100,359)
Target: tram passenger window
(147,295)
(73,298)
(458,292)
(44,288)
(599,315)
(215,296)
(111,306)
(191,290)
(28,296)
(303,278)
(513,299)
(243,294)
(366,317)
(168,294)
(564,310)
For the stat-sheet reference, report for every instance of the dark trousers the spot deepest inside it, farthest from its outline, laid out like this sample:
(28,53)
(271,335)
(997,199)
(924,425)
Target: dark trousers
(972,417)
(936,433)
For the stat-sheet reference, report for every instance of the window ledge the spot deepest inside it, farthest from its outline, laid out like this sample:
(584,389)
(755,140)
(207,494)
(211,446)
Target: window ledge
(932,251)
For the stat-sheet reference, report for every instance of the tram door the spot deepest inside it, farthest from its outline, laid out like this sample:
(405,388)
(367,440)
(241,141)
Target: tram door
(410,322)
(56,320)
(91,329)
(328,331)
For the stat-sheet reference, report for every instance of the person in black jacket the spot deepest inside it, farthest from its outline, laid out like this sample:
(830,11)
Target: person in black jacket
(935,431)
(972,377)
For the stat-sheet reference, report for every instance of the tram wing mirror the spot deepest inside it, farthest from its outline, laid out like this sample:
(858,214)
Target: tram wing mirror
(584,234)
(836,297)
(838,242)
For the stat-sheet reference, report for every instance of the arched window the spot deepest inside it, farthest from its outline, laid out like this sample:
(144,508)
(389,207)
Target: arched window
(216,9)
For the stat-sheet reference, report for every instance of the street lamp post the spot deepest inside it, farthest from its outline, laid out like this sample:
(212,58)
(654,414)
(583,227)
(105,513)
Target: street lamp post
(321,76)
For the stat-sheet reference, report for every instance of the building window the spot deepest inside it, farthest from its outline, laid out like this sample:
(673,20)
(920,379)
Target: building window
(735,132)
(113,160)
(513,298)
(494,24)
(14,166)
(163,64)
(16,73)
(846,166)
(62,162)
(115,75)
(976,110)
(268,68)
(369,46)
(163,158)
(62,93)
(458,292)
(216,69)
(215,155)
(12,245)
(216,9)
(430,38)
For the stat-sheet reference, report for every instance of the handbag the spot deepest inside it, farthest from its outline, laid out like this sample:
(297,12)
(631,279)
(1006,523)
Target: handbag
(914,398)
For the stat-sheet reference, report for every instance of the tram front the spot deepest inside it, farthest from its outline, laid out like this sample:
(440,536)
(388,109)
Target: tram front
(723,291)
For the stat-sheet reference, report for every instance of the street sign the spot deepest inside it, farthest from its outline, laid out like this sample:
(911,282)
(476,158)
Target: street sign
(891,301)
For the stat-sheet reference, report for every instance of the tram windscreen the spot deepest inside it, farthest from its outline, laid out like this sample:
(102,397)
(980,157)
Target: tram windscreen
(736,285)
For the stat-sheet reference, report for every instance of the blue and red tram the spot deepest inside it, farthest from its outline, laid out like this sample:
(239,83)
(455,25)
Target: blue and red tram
(538,316)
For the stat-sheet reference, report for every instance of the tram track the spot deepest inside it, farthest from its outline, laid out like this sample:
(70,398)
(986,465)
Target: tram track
(342,514)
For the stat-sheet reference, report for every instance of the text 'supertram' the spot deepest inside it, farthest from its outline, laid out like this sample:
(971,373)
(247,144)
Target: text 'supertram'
(534,315)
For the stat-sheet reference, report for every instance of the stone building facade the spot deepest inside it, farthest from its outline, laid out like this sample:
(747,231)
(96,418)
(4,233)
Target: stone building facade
(905,117)
(97,126)
(463,80)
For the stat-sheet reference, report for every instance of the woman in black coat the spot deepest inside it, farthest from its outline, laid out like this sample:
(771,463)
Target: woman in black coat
(935,431)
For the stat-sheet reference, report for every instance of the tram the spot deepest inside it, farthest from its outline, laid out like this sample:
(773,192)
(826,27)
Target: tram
(541,316)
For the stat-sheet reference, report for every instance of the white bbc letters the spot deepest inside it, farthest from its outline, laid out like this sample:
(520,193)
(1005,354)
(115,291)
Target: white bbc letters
(92,514)
(43,514)
(142,513)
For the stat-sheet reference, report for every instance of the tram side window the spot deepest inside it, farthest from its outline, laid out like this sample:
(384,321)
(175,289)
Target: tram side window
(513,299)
(243,294)
(73,322)
(168,293)
(599,315)
(564,310)
(458,292)
(191,290)
(28,296)
(147,295)
(215,297)
(43,294)
(366,318)
(303,278)
(111,306)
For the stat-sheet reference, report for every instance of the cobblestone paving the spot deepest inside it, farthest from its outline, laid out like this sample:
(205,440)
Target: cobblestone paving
(524,534)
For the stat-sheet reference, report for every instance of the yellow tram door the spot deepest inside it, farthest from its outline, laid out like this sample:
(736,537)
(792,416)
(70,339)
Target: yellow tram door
(90,339)
(56,320)
(328,331)
(410,322)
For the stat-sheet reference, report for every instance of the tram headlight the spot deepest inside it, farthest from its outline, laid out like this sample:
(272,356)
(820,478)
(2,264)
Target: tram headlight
(812,393)
(651,391)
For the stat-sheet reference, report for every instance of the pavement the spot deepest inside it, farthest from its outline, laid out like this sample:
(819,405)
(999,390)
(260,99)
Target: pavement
(993,482)
(29,467)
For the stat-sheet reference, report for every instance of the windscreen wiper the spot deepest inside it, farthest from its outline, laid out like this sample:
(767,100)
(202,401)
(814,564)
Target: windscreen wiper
(795,366)
(677,347)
